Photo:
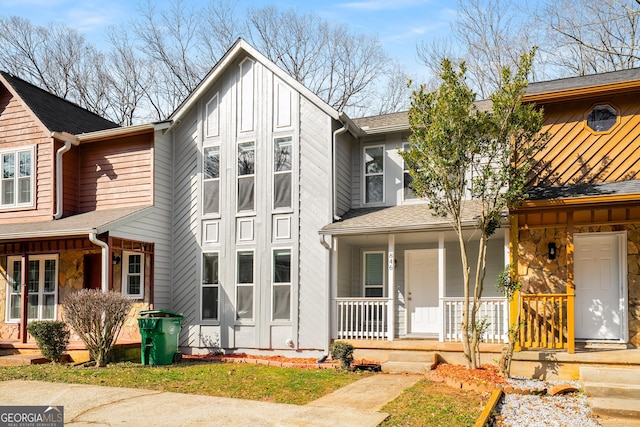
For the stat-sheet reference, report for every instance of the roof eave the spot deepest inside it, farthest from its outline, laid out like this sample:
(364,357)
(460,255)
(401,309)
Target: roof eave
(578,201)
(581,92)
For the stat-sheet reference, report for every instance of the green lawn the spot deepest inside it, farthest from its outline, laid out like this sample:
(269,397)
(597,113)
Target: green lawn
(237,380)
(434,405)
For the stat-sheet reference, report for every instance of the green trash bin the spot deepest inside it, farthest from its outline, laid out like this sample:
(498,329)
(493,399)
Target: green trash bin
(160,331)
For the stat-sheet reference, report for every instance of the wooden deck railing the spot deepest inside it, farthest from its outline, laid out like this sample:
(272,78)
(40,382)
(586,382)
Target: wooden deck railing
(494,310)
(544,321)
(362,318)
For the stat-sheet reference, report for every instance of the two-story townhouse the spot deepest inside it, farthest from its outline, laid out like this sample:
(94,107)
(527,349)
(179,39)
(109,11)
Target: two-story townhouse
(77,207)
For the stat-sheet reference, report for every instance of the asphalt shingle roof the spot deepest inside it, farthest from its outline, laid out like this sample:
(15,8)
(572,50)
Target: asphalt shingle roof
(57,114)
(585,190)
(584,81)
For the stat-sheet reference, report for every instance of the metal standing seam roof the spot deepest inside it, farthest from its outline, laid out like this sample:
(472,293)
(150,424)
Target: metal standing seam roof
(76,225)
(413,217)
(55,113)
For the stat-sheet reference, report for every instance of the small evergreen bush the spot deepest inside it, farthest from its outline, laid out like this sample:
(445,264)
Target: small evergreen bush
(342,351)
(52,337)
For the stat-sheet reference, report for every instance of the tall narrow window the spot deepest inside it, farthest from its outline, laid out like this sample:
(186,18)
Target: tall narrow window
(210,286)
(17,178)
(407,179)
(244,286)
(281,303)
(246,176)
(42,285)
(211,195)
(374,274)
(133,274)
(374,174)
(282,173)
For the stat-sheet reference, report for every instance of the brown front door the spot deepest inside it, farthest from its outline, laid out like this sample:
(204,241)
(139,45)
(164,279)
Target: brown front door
(93,271)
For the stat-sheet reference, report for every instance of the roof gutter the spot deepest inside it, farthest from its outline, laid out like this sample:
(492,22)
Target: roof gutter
(68,140)
(105,260)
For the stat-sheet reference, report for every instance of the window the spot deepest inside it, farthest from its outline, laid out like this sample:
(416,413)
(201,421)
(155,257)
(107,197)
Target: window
(211,197)
(42,285)
(282,173)
(602,118)
(133,274)
(210,286)
(374,174)
(407,179)
(374,274)
(17,178)
(244,286)
(246,176)
(281,290)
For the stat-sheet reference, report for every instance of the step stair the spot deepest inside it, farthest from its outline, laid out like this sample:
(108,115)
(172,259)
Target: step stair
(612,392)
(410,362)
(22,359)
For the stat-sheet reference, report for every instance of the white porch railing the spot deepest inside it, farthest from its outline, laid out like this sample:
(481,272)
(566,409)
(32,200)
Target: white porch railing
(494,310)
(362,318)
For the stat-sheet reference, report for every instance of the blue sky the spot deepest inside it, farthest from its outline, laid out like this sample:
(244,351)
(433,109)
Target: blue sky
(400,24)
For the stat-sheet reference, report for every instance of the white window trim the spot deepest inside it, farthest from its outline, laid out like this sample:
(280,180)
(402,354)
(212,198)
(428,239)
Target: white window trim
(290,172)
(364,273)
(274,284)
(365,174)
(252,176)
(41,293)
(219,179)
(240,285)
(209,285)
(16,151)
(125,274)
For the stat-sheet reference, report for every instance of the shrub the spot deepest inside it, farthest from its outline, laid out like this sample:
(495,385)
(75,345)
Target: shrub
(97,317)
(342,351)
(52,337)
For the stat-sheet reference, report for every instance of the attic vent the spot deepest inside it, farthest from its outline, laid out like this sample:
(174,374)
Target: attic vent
(602,118)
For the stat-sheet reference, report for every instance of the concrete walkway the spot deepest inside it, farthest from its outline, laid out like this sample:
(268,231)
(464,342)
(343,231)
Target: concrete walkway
(86,405)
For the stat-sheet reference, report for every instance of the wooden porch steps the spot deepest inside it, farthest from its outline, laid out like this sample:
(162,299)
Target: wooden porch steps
(613,392)
(22,359)
(410,362)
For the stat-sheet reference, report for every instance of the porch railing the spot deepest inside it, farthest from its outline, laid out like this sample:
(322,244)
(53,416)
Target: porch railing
(543,321)
(362,318)
(494,312)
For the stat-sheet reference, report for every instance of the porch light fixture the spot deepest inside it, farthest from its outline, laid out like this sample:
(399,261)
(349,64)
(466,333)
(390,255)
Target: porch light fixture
(552,250)
(116,259)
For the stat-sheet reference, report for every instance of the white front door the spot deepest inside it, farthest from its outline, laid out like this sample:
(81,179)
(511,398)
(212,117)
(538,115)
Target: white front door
(597,272)
(421,281)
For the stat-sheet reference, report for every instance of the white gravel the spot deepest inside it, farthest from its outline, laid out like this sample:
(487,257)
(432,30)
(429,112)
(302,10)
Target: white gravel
(525,410)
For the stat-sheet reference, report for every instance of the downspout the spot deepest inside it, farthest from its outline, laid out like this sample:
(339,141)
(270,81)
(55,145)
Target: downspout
(334,191)
(105,260)
(69,140)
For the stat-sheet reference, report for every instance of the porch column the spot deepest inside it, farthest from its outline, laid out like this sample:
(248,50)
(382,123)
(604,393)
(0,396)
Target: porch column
(514,304)
(391,323)
(571,288)
(333,288)
(24,298)
(442,278)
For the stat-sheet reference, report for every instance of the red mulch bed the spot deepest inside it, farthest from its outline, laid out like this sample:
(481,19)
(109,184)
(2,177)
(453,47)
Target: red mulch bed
(483,379)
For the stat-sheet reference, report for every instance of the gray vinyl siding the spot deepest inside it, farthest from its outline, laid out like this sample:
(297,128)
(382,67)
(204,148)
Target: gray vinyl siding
(495,264)
(155,226)
(315,194)
(343,173)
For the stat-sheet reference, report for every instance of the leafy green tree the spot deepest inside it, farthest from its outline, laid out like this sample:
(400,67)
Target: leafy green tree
(463,155)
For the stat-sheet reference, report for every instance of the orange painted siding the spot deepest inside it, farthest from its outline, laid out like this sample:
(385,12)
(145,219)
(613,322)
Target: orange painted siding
(18,128)
(575,154)
(115,173)
(70,182)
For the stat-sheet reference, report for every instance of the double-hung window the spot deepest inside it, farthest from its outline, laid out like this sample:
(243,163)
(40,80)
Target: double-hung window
(17,178)
(133,274)
(281,290)
(407,179)
(246,176)
(374,274)
(42,286)
(244,286)
(210,286)
(282,173)
(211,180)
(374,174)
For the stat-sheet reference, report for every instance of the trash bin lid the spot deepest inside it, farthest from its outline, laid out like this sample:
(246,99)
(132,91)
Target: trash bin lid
(160,313)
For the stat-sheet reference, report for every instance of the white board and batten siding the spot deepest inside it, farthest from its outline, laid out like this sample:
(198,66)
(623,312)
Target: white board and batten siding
(248,103)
